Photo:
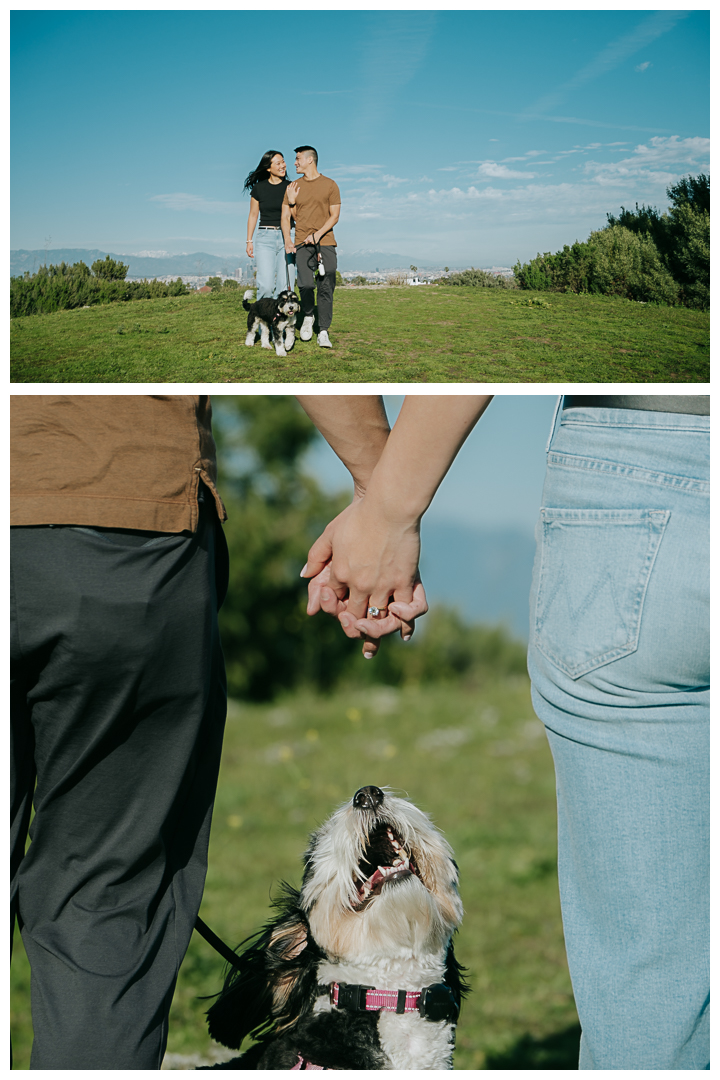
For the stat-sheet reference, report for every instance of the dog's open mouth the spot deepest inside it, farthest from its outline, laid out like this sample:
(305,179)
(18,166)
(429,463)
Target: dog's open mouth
(386,859)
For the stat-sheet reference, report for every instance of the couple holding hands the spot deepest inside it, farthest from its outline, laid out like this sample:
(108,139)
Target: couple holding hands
(313,201)
(119,700)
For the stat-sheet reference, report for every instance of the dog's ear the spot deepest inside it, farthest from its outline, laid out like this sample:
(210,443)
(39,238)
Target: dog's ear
(455,976)
(271,987)
(245,1001)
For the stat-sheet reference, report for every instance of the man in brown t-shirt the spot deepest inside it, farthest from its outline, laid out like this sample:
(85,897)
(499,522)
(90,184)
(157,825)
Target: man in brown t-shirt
(315,203)
(118,568)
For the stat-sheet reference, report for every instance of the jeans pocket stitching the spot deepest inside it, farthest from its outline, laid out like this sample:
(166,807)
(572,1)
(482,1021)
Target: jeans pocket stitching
(657,521)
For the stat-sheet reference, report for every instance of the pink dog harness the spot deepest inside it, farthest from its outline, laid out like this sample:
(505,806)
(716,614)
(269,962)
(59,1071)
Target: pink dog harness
(397,1001)
(436,1002)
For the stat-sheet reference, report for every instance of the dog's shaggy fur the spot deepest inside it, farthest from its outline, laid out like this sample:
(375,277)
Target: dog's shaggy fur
(378,907)
(274,318)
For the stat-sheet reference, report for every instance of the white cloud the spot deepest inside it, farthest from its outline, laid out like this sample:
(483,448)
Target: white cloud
(643,67)
(658,161)
(394,181)
(501,172)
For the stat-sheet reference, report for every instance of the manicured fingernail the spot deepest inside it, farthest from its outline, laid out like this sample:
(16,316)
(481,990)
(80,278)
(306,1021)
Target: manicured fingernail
(406,637)
(368,655)
(302,572)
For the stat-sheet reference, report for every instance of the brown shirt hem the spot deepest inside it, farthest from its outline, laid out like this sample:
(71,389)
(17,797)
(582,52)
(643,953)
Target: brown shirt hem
(122,462)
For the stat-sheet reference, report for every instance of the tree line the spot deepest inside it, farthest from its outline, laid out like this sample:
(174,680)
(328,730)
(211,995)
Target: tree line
(275,512)
(57,288)
(640,254)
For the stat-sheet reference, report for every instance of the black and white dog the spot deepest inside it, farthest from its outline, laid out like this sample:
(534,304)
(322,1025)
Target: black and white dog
(274,318)
(357,969)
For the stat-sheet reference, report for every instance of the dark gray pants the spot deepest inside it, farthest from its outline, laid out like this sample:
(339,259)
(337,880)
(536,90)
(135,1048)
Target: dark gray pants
(325,285)
(118,710)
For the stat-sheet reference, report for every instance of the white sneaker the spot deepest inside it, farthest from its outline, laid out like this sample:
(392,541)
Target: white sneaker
(323,340)
(307,328)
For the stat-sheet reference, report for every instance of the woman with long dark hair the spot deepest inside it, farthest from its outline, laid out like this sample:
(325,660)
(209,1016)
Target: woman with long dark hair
(267,185)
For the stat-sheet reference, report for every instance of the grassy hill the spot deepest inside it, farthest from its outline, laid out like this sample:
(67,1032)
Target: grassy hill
(402,334)
(478,762)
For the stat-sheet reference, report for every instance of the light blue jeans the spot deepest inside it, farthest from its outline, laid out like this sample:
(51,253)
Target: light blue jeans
(270,261)
(619,627)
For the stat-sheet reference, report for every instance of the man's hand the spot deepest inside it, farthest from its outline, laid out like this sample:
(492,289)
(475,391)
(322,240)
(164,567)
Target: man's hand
(365,559)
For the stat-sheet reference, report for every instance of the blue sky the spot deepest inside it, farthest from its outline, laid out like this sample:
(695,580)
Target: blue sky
(455,137)
(495,481)
(492,491)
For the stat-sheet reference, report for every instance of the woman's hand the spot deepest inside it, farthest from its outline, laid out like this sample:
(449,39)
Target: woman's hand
(292,192)
(249,249)
(367,557)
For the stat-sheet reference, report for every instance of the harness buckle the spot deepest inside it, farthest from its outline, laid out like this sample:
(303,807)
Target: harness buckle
(437,1002)
(352,997)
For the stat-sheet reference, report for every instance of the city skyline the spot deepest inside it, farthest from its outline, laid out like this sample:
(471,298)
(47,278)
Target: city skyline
(455,137)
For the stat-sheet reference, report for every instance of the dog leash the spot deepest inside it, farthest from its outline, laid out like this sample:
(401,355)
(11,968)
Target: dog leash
(217,943)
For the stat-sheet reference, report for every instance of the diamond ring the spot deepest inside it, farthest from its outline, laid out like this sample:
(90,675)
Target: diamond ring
(374,612)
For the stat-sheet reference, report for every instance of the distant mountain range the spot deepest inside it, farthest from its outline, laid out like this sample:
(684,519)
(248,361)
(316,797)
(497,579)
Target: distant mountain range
(197,262)
(485,574)
(140,266)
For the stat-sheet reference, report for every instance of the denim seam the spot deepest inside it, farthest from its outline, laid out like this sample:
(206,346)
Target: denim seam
(630,472)
(657,520)
(644,426)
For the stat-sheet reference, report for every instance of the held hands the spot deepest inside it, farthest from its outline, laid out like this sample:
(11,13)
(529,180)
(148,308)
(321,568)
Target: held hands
(367,557)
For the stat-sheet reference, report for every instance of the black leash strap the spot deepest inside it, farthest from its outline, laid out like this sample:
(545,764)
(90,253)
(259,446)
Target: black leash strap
(219,946)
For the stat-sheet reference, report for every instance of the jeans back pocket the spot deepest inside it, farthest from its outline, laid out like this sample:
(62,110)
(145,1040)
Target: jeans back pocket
(594,571)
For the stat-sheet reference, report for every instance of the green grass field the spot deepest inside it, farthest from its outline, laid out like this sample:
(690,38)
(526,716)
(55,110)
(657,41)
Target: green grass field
(433,334)
(479,763)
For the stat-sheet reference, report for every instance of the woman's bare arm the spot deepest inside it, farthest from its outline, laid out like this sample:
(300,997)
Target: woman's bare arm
(252,222)
(374,545)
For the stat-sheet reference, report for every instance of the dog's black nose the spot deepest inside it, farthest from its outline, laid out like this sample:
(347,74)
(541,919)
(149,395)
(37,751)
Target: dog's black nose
(368,798)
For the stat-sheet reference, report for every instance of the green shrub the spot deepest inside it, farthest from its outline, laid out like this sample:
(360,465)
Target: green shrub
(628,264)
(110,269)
(641,255)
(691,254)
(568,270)
(59,288)
(614,261)
(478,278)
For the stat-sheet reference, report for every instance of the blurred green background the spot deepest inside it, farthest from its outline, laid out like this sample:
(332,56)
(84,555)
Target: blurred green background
(446,719)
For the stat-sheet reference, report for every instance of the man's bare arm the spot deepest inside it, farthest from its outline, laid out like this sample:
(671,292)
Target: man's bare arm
(356,427)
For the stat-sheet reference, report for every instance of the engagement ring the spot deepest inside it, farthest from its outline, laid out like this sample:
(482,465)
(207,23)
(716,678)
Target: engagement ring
(374,612)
